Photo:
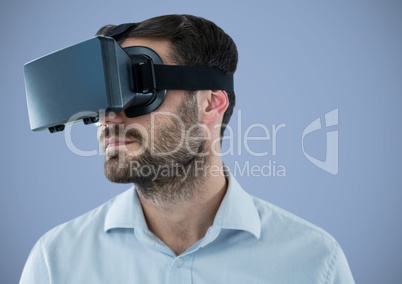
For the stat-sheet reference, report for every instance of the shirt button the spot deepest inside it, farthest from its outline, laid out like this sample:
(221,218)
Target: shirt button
(179,262)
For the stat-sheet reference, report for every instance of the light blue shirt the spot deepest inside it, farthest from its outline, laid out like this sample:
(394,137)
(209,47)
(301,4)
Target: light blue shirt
(250,241)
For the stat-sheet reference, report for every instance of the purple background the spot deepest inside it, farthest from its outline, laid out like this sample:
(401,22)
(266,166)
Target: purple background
(298,61)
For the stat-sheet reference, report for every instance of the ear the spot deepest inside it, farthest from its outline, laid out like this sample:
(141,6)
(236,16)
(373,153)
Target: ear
(214,104)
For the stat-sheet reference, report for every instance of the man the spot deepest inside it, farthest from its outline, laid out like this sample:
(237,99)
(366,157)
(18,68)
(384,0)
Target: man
(187,220)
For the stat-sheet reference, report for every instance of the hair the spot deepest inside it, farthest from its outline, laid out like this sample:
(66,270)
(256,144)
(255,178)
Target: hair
(194,41)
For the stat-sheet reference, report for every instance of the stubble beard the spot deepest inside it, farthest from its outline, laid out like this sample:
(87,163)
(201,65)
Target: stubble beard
(164,178)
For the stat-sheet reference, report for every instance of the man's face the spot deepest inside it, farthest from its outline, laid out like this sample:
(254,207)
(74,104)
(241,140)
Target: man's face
(153,149)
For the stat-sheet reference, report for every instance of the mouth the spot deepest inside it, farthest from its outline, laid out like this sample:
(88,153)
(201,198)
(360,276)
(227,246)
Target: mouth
(116,142)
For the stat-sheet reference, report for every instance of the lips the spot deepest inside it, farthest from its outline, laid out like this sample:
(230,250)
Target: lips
(114,142)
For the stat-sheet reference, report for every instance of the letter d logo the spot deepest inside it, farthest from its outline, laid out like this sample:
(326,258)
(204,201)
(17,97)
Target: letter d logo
(330,164)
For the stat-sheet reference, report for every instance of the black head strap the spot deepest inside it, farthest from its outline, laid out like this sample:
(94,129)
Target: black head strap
(175,77)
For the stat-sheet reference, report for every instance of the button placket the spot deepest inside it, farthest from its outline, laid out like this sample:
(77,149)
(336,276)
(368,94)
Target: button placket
(180,271)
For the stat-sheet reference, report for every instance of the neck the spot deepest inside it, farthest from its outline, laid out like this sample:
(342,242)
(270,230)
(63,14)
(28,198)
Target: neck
(181,222)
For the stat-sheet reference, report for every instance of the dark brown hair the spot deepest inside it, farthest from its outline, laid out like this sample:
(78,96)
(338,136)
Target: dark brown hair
(194,41)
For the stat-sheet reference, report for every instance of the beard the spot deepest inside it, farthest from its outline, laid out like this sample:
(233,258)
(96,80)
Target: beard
(170,167)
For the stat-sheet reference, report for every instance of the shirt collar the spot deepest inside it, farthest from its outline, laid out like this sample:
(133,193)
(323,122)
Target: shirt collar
(237,211)
(125,212)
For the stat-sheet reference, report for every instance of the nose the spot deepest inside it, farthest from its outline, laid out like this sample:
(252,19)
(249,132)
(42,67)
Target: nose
(112,118)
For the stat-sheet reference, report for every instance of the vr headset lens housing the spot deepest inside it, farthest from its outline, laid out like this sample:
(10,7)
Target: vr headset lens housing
(97,75)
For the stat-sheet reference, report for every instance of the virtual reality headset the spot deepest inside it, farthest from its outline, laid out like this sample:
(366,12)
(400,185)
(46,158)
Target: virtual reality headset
(97,76)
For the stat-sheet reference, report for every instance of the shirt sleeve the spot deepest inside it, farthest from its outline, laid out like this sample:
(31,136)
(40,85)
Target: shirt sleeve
(339,272)
(35,270)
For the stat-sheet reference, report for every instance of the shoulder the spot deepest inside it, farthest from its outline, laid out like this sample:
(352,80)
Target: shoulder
(85,226)
(277,220)
(302,244)
(67,246)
